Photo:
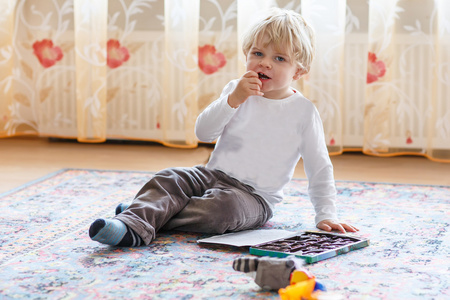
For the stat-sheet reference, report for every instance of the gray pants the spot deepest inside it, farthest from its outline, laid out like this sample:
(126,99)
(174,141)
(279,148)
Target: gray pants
(194,199)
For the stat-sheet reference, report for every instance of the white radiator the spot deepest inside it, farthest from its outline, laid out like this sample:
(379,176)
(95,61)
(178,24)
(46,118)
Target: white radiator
(135,110)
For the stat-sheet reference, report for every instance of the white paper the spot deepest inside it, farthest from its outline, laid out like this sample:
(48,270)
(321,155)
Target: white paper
(248,237)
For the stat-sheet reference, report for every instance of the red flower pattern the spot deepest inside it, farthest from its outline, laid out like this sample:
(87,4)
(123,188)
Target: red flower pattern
(117,55)
(409,139)
(209,60)
(375,68)
(47,53)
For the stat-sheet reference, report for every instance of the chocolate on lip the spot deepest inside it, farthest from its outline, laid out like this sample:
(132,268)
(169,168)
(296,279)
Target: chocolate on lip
(263,76)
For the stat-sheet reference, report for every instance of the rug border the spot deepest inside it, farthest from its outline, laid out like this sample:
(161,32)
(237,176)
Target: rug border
(29,183)
(52,174)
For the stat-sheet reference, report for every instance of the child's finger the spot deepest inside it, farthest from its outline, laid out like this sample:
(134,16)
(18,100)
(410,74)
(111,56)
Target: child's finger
(256,89)
(341,229)
(338,227)
(333,226)
(250,74)
(254,86)
(325,227)
(256,81)
(350,228)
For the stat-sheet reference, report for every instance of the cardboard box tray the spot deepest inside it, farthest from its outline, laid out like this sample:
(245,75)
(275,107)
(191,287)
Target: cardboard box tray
(311,246)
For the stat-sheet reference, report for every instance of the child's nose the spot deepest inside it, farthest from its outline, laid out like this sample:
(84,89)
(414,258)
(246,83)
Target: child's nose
(265,63)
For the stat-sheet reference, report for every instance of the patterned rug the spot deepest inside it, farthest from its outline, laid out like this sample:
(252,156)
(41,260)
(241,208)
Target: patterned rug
(46,252)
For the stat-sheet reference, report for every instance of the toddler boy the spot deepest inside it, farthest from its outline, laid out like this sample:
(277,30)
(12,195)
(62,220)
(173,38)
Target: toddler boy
(263,127)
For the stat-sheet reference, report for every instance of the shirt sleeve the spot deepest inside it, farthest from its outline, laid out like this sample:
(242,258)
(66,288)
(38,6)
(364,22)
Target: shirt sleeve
(212,121)
(318,169)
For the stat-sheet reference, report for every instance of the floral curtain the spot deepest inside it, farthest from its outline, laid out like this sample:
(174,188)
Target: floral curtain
(144,69)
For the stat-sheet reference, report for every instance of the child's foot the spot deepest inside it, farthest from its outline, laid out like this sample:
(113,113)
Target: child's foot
(121,207)
(114,232)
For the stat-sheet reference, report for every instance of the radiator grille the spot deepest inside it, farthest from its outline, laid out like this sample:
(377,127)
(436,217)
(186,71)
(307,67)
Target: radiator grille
(134,110)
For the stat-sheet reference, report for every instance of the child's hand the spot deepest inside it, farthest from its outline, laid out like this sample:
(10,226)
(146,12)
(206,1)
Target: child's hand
(248,85)
(329,225)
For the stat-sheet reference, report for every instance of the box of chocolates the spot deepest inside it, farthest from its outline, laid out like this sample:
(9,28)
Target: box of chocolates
(311,246)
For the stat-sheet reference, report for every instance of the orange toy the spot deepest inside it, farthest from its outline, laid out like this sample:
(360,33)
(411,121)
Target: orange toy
(299,291)
(301,287)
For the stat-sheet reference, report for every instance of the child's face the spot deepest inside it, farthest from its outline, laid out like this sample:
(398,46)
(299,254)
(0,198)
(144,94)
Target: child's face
(276,70)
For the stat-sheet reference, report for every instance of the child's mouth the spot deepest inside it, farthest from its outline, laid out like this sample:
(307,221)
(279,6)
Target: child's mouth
(263,76)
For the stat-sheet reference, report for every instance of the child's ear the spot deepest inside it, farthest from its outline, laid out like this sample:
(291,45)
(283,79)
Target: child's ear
(298,74)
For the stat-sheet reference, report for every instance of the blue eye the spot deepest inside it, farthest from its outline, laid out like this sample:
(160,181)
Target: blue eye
(279,58)
(257,53)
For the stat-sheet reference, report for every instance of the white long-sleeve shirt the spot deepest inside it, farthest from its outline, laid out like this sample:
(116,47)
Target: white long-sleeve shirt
(261,141)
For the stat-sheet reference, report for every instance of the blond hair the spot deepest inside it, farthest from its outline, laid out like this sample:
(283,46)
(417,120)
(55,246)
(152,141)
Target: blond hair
(288,32)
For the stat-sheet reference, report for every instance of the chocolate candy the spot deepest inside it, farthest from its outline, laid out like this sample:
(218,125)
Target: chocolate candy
(308,243)
(312,246)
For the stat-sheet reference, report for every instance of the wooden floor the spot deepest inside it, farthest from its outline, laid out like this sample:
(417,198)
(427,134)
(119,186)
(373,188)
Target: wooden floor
(23,159)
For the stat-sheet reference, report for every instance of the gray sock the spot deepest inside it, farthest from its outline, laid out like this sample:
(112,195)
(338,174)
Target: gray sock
(121,207)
